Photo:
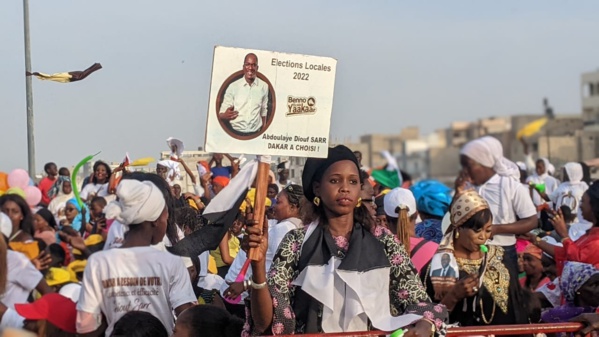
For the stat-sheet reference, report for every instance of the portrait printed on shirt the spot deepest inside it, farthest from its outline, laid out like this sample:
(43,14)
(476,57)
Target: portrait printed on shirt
(444,265)
(270,103)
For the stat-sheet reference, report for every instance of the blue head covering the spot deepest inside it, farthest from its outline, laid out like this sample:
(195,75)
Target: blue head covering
(76,224)
(432,197)
(573,277)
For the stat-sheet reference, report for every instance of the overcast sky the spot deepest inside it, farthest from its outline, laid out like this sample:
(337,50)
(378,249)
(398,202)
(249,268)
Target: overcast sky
(400,63)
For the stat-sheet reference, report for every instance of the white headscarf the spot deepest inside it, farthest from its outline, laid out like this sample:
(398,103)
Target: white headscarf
(173,168)
(138,201)
(488,152)
(549,168)
(574,171)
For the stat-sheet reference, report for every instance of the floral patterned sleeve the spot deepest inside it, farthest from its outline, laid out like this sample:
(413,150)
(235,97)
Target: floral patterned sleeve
(407,294)
(283,271)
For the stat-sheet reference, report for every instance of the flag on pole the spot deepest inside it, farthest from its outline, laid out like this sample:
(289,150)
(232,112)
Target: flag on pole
(71,76)
(218,215)
(532,128)
(390,175)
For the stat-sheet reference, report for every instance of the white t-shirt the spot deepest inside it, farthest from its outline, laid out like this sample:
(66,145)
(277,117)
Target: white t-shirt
(22,279)
(99,190)
(118,281)
(508,200)
(116,236)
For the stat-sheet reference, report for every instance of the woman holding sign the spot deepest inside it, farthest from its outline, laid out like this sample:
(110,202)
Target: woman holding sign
(339,273)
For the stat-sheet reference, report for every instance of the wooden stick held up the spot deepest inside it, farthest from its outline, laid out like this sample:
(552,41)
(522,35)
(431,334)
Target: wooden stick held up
(260,199)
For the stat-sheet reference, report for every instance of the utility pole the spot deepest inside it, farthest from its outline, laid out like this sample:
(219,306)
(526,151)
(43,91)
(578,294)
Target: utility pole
(29,93)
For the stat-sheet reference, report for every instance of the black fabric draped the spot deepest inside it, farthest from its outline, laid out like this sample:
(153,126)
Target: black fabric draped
(365,253)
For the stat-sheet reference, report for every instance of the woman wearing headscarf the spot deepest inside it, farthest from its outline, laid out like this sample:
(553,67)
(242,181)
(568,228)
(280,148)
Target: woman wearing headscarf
(586,247)
(569,193)
(542,176)
(580,289)
(432,201)
(400,208)
(61,192)
(339,273)
(477,288)
(135,277)
(533,267)
(76,216)
(496,179)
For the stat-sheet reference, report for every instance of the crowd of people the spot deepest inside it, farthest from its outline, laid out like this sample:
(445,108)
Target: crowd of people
(340,251)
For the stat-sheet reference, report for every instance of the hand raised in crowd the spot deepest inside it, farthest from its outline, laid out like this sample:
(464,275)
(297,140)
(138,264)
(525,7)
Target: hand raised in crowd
(559,223)
(70,236)
(205,179)
(255,237)
(462,182)
(591,324)
(42,261)
(229,114)
(235,289)
(466,287)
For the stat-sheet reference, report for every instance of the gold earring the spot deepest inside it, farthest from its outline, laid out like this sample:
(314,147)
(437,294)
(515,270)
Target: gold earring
(457,235)
(316,201)
(359,202)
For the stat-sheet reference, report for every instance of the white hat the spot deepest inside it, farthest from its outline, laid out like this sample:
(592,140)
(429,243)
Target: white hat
(174,142)
(72,291)
(399,197)
(5,225)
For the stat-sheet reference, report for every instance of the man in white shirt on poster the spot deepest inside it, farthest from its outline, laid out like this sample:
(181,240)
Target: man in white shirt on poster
(245,104)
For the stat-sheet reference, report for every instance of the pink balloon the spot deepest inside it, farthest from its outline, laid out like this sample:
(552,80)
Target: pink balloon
(33,195)
(18,178)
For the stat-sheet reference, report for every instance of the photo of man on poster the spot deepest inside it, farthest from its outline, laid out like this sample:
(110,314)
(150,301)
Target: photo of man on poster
(245,103)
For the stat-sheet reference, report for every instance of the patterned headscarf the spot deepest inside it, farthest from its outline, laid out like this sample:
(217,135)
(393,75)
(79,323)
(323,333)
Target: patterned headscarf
(56,188)
(463,208)
(575,274)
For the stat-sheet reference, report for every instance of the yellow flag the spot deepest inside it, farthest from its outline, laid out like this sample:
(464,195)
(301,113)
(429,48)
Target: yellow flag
(532,128)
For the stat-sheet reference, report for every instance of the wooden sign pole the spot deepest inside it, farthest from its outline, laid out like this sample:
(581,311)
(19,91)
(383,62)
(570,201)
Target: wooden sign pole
(260,199)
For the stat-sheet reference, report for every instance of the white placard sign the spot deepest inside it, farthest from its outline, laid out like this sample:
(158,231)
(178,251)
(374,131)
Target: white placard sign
(270,103)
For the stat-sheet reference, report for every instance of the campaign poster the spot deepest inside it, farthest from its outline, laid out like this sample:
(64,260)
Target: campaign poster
(270,103)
